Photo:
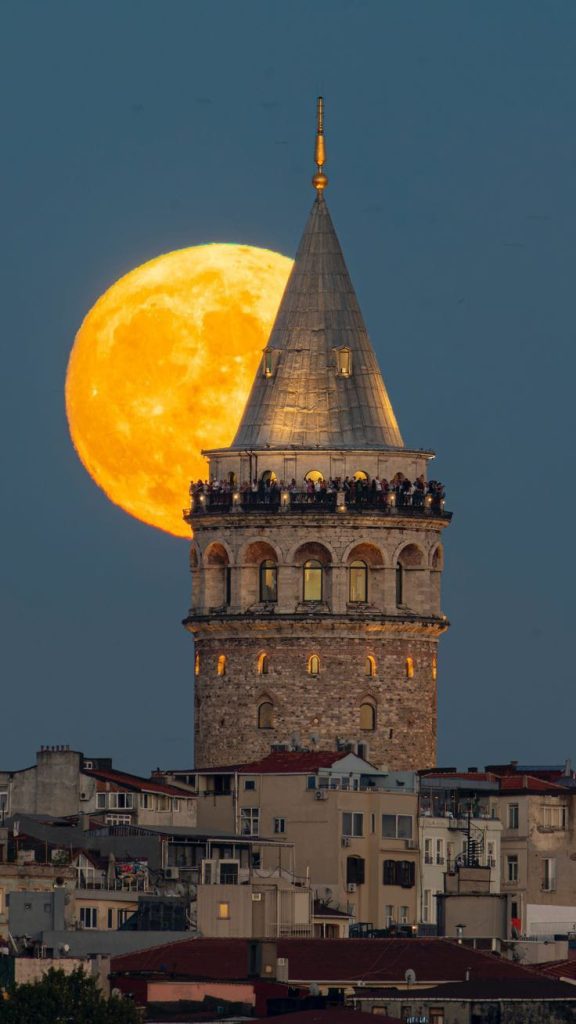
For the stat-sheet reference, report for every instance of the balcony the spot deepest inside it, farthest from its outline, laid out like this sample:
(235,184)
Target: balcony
(220,502)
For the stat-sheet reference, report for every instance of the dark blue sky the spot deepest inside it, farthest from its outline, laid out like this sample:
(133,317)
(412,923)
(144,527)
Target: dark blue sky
(134,128)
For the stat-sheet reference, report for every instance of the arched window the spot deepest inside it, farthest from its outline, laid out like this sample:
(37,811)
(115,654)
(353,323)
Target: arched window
(360,475)
(314,475)
(268,580)
(409,668)
(268,476)
(434,669)
(399,585)
(266,715)
(313,665)
(263,664)
(221,668)
(312,580)
(197,664)
(367,717)
(358,582)
(370,665)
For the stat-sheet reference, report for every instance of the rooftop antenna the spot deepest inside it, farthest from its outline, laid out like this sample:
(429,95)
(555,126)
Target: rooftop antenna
(320,180)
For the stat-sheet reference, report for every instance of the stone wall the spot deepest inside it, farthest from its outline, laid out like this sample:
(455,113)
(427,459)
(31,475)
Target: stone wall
(233,628)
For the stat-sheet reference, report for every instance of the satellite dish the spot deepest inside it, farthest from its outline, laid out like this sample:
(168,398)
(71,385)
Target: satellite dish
(410,976)
(64,948)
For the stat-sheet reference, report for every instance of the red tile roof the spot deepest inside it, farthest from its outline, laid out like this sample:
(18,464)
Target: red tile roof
(529,784)
(283,761)
(133,782)
(372,961)
(473,776)
(560,969)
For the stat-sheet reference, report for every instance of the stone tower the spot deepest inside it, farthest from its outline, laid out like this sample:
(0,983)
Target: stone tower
(316,601)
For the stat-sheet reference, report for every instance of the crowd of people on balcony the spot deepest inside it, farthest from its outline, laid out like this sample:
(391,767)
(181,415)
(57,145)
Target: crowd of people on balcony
(358,491)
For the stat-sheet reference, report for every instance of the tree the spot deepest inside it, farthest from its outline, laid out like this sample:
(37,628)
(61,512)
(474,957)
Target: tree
(60,998)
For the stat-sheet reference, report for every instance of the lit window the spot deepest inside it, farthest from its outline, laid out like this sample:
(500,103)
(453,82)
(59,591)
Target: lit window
(367,717)
(197,665)
(313,665)
(268,580)
(223,911)
(409,668)
(399,585)
(314,475)
(312,580)
(370,665)
(222,665)
(267,362)
(263,664)
(344,361)
(266,715)
(434,669)
(358,582)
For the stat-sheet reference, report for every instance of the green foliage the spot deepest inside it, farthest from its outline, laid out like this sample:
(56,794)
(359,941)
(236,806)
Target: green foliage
(65,999)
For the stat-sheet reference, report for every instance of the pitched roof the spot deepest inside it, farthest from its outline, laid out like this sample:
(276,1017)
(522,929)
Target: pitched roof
(346,961)
(132,782)
(560,969)
(527,987)
(282,761)
(330,1015)
(305,402)
(530,784)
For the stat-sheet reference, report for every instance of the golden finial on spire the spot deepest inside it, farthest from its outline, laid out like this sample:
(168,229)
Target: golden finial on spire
(320,180)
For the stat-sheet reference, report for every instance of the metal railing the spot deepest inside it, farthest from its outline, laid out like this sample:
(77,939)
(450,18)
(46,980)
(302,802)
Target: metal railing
(391,503)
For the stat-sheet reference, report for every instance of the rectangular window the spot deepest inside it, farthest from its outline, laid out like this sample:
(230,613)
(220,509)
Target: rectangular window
(436,1015)
(146,801)
(311,782)
(491,854)
(399,872)
(224,911)
(120,801)
(428,858)
(101,800)
(554,817)
(427,906)
(279,825)
(439,851)
(117,819)
(89,917)
(389,914)
(228,872)
(352,824)
(404,915)
(355,871)
(450,852)
(123,916)
(250,784)
(549,877)
(250,821)
(512,815)
(110,917)
(397,826)
(512,868)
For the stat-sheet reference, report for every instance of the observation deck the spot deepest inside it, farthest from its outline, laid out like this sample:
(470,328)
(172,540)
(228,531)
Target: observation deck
(286,501)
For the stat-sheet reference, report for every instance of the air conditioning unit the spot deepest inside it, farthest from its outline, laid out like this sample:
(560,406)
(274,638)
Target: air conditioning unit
(411,844)
(320,794)
(172,873)
(346,841)
(88,764)
(351,887)
(84,796)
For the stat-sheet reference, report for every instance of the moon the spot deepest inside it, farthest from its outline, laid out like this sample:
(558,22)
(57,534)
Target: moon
(161,368)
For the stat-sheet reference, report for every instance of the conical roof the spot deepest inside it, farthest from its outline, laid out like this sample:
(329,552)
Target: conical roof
(312,397)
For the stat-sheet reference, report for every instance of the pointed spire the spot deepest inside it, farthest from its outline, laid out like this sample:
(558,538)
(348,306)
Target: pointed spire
(319,385)
(320,180)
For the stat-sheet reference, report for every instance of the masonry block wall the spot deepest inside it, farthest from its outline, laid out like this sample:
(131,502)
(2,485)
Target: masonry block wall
(374,683)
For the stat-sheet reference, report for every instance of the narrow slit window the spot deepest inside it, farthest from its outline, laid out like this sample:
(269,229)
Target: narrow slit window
(268,362)
(266,715)
(344,361)
(221,667)
(399,585)
(313,665)
(370,665)
(263,664)
(197,665)
(409,668)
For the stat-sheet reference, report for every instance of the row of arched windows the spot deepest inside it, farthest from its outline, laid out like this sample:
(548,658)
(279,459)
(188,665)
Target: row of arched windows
(313,581)
(367,715)
(313,665)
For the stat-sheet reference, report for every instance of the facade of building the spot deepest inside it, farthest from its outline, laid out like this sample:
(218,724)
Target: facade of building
(353,827)
(316,562)
(63,783)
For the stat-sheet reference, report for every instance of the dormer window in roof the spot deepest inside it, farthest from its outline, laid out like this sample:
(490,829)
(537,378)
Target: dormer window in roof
(269,361)
(343,361)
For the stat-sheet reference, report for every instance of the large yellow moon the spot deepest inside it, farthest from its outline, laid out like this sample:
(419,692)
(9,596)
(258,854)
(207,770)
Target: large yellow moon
(161,368)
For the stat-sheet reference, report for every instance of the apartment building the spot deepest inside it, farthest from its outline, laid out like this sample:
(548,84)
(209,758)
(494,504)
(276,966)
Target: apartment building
(353,826)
